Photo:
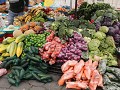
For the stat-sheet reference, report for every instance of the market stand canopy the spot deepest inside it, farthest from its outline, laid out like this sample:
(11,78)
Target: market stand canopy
(48,3)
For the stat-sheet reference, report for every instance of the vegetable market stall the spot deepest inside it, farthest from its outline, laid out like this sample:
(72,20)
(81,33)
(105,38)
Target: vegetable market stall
(85,50)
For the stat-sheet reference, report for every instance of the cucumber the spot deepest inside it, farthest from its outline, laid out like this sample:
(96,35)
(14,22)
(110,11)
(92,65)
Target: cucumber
(22,72)
(25,64)
(10,75)
(17,80)
(17,67)
(17,73)
(33,63)
(22,62)
(33,58)
(33,49)
(8,64)
(3,64)
(10,58)
(36,77)
(11,81)
(30,50)
(16,61)
(37,56)
(28,76)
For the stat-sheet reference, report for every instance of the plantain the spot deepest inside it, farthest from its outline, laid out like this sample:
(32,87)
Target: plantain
(19,49)
(13,49)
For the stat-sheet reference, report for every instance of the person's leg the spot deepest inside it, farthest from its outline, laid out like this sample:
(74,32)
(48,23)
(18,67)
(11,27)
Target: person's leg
(11,16)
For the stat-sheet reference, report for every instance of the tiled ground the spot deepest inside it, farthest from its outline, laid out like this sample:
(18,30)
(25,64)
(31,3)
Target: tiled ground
(31,85)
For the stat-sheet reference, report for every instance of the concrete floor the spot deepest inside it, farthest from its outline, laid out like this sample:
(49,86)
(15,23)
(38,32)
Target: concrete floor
(31,85)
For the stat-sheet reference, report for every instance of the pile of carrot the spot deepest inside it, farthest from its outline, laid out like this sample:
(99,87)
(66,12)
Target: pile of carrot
(81,75)
(51,49)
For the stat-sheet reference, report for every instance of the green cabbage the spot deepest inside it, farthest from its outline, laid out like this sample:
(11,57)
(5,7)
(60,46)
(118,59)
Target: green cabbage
(100,35)
(104,29)
(93,44)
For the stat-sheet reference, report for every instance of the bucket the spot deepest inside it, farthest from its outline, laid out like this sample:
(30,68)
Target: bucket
(9,34)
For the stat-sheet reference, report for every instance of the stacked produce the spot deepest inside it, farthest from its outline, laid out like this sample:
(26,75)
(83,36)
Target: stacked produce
(35,14)
(101,45)
(87,10)
(81,75)
(108,18)
(27,67)
(12,46)
(37,40)
(51,49)
(110,76)
(76,45)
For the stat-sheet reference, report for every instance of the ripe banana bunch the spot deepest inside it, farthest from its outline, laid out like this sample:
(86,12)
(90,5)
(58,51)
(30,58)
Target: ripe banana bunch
(28,18)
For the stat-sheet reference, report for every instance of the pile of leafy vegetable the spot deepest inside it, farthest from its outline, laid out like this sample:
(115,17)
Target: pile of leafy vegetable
(64,28)
(87,10)
(73,51)
(101,45)
(109,18)
(27,67)
(105,17)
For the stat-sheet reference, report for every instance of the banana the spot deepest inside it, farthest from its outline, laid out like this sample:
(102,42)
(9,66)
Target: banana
(37,12)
